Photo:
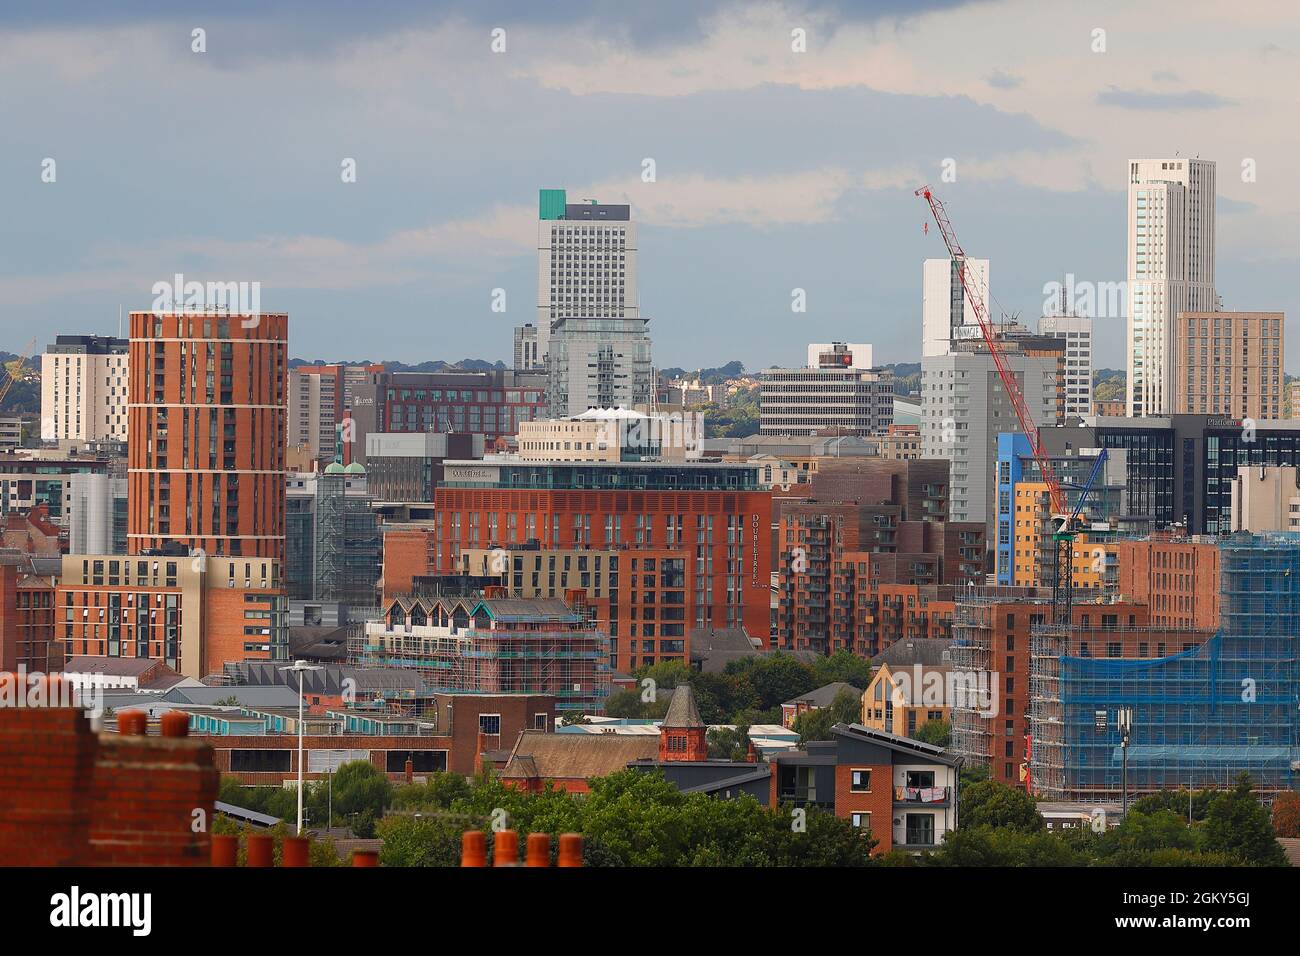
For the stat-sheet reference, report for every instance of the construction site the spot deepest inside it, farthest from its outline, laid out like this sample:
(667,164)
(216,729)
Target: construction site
(1223,703)
(494,645)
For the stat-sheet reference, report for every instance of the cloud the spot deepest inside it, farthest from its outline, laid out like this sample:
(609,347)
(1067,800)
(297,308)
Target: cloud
(275,29)
(1145,100)
(1002,80)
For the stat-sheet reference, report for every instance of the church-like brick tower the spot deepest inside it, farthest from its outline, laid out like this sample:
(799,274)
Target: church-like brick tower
(683,735)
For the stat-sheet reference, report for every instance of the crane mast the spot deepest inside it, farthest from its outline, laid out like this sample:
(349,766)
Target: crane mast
(1063,533)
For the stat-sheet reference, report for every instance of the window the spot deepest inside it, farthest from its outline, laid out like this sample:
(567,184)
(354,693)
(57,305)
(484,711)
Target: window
(920,829)
(489,724)
(920,778)
(539,721)
(422,761)
(862,820)
(860,782)
(260,761)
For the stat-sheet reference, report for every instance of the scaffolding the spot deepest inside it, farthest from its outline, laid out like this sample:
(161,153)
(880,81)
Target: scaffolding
(971,650)
(481,647)
(347,544)
(1202,715)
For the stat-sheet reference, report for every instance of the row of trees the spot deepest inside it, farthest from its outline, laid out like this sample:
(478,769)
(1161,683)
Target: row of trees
(629,818)
(355,798)
(748,691)
(1001,826)
(637,818)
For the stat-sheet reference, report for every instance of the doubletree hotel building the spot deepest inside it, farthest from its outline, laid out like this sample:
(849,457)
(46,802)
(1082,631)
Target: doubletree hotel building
(681,545)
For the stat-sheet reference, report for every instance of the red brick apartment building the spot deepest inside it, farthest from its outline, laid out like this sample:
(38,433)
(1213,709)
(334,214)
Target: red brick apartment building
(711,521)
(1176,578)
(867,524)
(832,555)
(904,791)
(26,617)
(626,590)
(207,438)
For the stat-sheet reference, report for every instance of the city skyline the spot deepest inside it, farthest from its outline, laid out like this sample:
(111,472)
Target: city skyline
(760,186)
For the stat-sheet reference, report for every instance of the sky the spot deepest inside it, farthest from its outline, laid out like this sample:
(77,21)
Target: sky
(775,168)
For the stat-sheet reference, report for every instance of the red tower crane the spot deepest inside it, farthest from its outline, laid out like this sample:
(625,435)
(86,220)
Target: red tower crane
(1062,532)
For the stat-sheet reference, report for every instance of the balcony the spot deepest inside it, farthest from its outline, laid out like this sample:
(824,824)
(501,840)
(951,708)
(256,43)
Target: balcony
(923,796)
(803,797)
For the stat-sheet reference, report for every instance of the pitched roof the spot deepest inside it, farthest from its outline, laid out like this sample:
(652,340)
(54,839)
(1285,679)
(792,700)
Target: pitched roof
(926,651)
(895,742)
(825,695)
(151,673)
(523,610)
(547,756)
(758,772)
(112,666)
(682,711)
(713,648)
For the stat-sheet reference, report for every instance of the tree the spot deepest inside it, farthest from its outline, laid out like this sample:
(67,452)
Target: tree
(937,732)
(361,794)
(973,773)
(726,743)
(665,674)
(1238,824)
(844,666)
(775,678)
(816,724)
(1159,829)
(994,804)
(425,840)
(984,845)
(1177,801)
(438,792)
(628,704)
(1286,814)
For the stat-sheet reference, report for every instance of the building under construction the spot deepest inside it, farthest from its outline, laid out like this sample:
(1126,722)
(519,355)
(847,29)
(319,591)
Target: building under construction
(494,645)
(1205,705)
(990,630)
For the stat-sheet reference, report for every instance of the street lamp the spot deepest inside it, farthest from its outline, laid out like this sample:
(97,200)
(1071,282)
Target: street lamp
(300,667)
(1124,721)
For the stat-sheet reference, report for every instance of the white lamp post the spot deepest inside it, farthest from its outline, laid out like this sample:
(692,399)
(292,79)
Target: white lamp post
(300,667)
(1124,722)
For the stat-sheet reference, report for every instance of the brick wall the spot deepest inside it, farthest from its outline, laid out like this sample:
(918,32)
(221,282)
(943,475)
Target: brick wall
(878,801)
(71,797)
(406,556)
(147,798)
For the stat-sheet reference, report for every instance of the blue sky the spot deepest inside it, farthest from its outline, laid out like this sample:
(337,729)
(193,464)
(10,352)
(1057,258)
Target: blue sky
(775,170)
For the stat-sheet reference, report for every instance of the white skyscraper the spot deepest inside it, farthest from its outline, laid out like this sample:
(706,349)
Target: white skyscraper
(964,407)
(590,334)
(84,389)
(1170,270)
(946,314)
(1076,330)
